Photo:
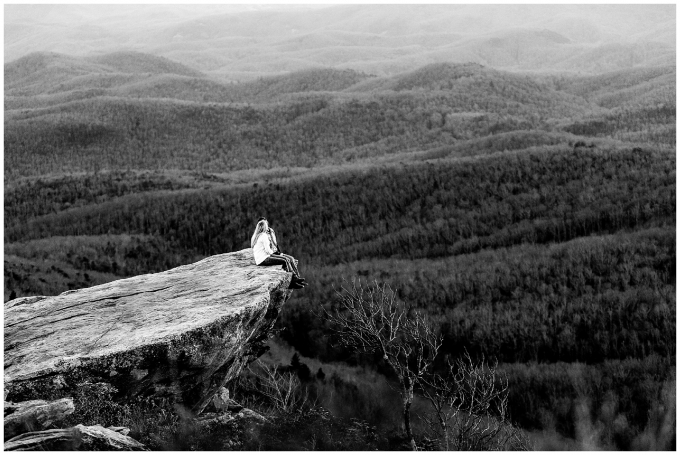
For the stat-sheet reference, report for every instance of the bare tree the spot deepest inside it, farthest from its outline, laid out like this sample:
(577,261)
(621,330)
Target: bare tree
(371,320)
(470,408)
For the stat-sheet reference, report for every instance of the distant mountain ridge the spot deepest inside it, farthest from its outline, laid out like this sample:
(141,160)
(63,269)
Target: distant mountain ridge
(50,72)
(240,45)
(138,62)
(50,79)
(47,78)
(120,62)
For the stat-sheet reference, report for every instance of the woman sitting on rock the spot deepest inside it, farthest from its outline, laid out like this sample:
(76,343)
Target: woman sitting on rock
(267,252)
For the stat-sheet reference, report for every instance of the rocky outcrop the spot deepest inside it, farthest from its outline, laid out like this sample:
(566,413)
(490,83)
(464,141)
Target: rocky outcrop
(96,437)
(56,439)
(34,415)
(222,402)
(183,333)
(80,437)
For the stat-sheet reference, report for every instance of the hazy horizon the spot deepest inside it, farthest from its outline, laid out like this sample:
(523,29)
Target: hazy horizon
(241,42)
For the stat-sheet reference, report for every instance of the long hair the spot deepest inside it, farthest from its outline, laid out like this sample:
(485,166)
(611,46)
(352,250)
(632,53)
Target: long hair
(262,226)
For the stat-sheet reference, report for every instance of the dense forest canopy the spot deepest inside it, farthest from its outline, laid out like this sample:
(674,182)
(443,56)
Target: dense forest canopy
(195,127)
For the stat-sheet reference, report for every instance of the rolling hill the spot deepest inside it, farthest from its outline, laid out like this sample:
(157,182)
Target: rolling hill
(312,117)
(137,62)
(241,43)
(38,72)
(643,86)
(156,113)
(49,73)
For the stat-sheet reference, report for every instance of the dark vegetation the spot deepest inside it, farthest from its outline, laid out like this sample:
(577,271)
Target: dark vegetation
(619,403)
(418,211)
(532,218)
(577,301)
(296,421)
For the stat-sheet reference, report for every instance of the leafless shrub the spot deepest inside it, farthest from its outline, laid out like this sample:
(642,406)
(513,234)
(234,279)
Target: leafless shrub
(470,409)
(283,391)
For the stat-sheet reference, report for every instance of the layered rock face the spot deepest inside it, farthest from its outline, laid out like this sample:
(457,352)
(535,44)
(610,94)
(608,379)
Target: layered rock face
(183,333)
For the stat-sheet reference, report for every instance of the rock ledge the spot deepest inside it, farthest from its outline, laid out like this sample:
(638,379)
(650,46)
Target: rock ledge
(182,333)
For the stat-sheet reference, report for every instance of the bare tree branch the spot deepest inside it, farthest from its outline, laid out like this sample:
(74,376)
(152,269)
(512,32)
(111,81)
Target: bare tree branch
(470,405)
(372,320)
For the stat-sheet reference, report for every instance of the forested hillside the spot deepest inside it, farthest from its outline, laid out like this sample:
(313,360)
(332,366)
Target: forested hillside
(531,216)
(432,107)
(426,209)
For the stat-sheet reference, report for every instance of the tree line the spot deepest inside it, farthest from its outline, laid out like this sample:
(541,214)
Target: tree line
(414,211)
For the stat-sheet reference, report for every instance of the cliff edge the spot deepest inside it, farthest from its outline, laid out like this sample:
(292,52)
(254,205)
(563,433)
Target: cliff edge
(183,333)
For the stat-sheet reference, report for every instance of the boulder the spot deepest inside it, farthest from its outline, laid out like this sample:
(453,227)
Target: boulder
(221,400)
(181,334)
(96,437)
(80,437)
(53,440)
(246,413)
(212,419)
(122,430)
(34,415)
